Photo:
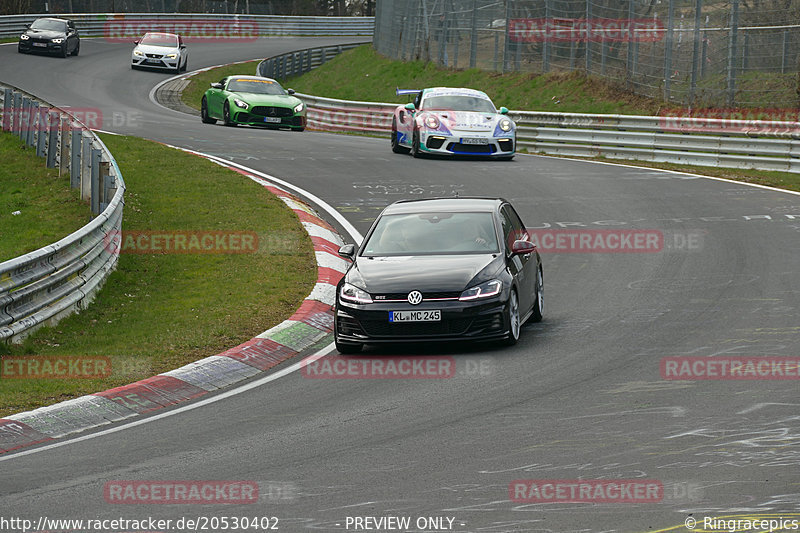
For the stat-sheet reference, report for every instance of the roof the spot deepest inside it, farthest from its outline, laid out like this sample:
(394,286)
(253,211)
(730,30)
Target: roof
(444,204)
(464,91)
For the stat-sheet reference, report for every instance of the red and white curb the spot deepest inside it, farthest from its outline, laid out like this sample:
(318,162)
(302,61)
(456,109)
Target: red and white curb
(307,330)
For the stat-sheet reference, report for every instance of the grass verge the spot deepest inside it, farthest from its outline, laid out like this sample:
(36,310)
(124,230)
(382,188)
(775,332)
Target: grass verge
(198,83)
(157,312)
(47,208)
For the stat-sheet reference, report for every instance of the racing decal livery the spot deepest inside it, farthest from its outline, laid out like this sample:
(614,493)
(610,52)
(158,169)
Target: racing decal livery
(452,121)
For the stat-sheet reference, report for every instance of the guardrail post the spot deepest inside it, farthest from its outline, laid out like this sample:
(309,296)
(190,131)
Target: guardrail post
(107,188)
(16,126)
(308,60)
(95,178)
(63,142)
(25,119)
(86,168)
(41,131)
(75,146)
(53,129)
(8,101)
(33,115)
(323,57)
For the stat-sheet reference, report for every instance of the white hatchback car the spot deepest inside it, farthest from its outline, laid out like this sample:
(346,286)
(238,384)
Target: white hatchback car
(160,51)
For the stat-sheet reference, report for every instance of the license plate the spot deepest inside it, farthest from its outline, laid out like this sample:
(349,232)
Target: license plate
(415,316)
(272,119)
(152,61)
(43,45)
(474,140)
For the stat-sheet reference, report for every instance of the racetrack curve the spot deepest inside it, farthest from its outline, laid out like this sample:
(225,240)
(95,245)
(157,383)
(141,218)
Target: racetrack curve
(580,397)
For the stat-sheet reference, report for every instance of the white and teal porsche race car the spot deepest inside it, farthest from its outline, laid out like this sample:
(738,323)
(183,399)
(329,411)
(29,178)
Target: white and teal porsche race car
(452,121)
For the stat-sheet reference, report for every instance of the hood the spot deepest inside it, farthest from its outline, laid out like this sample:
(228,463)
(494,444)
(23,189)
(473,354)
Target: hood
(161,50)
(427,273)
(45,34)
(467,120)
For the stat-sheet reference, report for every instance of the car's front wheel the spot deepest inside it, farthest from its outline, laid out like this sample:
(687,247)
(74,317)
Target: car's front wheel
(396,146)
(77,49)
(204,116)
(63,52)
(512,318)
(226,115)
(538,306)
(415,151)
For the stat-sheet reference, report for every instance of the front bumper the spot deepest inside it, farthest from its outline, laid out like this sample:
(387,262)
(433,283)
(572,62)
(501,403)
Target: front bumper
(252,119)
(440,143)
(369,323)
(155,62)
(32,45)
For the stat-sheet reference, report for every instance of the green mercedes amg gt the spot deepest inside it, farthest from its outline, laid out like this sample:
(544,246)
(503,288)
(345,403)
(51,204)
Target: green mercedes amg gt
(254,101)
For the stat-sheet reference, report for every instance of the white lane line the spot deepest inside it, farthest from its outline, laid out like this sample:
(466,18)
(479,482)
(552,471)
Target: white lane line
(286,371)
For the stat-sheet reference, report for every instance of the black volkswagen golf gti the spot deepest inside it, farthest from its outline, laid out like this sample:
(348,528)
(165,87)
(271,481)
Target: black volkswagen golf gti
(439,269)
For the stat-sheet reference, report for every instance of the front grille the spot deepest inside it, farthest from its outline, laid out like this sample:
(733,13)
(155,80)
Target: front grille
(266,111)
(506,145)
(470,148)
(381,328)
(425,296)
(154,56)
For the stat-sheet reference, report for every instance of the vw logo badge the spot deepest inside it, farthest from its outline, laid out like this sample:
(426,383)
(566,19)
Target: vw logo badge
(414,297)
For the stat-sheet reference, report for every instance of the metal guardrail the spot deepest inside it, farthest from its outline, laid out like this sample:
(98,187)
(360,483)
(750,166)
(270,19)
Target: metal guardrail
(762,145)
(43,286)
(114,25)
(301,61)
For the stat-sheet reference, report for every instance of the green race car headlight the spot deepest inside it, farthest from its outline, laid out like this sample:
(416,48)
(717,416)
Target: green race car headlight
(241,103)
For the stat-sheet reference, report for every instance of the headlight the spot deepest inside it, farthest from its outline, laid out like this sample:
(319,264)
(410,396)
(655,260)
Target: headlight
(24,37)
(432,122)
(138,53)
(505,124)
(298,107)
(58,41)
(241,103)
(172,56)
(484,290)
(351,293)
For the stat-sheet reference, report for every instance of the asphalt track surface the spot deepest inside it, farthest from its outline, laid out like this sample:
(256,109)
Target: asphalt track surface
(580,397)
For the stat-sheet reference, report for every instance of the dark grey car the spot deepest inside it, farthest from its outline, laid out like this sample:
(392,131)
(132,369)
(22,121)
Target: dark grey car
(50,35)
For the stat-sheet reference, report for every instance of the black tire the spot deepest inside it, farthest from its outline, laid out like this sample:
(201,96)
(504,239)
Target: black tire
(396,146)
(186,65)
(77,49)
(300,129)
(226,115)
(538,306)
(63,52)
(20,50)
(512,317)
(346,348)
(204,113)
(415,151)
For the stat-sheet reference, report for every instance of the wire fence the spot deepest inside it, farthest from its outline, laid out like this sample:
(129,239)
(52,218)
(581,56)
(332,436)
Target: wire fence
(687,52)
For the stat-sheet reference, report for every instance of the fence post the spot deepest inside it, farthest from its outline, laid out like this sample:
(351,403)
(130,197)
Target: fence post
(25,123)
(668,49)
(473,42)
(41,131)
(704,56)
(784,56)
(698,19)
(507,44)
(732,52)
(546,43)
(8,106)
(106,184)
(631,39)
(95,179)
(16,126)
(745,51)
(53,131)
(588,37)
(86,168)
(64,137)
(75,149)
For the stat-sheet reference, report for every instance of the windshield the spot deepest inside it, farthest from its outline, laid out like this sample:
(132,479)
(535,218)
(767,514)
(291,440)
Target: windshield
(459,103)
(160,39)
(49,25)
(433,233)
(244,85)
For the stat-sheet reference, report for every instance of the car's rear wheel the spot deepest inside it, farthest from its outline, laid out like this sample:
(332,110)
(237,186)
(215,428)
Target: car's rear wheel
(415,151)
(346,347)
(512,318)
(226,115)
(538,306)
(396,146)
(204,113)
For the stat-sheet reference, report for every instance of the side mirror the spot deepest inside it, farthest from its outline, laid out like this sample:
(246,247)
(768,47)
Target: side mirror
(289,91)
(183,46)
(27,26)
(136,41)
(410,106)
(348,251)
(504,111)
(522,248)
(216,85)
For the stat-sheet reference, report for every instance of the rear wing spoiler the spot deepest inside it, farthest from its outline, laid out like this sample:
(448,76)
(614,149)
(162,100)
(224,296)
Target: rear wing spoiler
(400,91)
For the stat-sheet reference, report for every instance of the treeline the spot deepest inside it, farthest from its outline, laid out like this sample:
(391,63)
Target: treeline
(336,8)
